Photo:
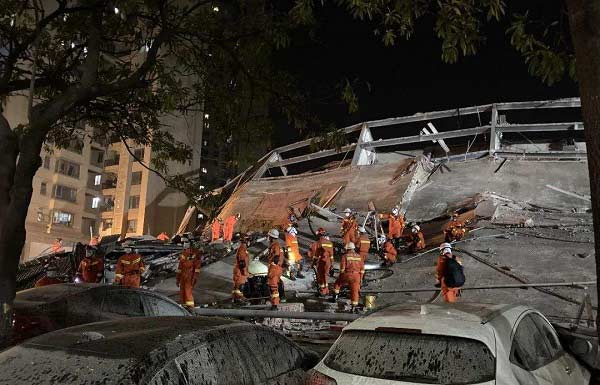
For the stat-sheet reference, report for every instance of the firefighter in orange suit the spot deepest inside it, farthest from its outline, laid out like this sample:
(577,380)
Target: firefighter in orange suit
(294,257)
(275,249)
(390,253)
(455,229)
(364,243)
(228,227)
(187,273)
(51,277)
(129,269)
(57,246)
(324,263)
(163,237)
(95,241)
(416,241)
(91,268)
(216,229)
(396,225)
(352,270)
(449,294)
(273,278)
(349,229)
(240,269)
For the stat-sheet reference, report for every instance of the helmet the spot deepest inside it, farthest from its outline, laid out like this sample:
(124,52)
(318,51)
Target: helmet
(395,210)
(445,245)
(416,229)
(362,230)
(321,231)
(350,246)
(273,233)
(447,250)
(186,244)
(292,230)
(347,211)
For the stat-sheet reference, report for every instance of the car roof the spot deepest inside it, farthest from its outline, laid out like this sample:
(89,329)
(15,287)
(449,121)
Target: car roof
(467,320)
(117,347)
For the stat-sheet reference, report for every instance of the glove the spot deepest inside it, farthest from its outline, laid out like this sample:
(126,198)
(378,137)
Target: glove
(438,284)
(331,272)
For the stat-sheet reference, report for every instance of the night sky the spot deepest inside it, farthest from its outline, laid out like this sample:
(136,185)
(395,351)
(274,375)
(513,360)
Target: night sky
(409,77)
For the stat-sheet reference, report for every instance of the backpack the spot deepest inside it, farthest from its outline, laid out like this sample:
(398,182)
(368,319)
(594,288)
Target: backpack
(455,275)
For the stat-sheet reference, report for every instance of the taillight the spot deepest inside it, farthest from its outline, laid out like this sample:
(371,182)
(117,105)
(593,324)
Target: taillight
(316,378)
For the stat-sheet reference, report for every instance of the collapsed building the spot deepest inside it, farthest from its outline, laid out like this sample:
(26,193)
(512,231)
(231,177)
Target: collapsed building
(516,171)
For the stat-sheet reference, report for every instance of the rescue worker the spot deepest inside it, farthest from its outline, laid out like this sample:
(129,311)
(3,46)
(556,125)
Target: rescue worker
(51,277)
(95,241)
(228,227)
(91,268)
(57,246)
(416,241)
(312,250)
(389,253)
(396,223)
(273,278)
(364,243)
(275,249)
(163,237)
(293,252)
(455,229)
(449,294)
(349,229)
(324,262)
(240,269)
(216,229)
(188,270)
(352,271)
(129,269)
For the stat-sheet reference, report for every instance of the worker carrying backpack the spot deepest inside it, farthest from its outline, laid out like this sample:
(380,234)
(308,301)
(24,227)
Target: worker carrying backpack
(455,275)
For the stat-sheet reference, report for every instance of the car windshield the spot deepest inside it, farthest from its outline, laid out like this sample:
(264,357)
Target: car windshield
(417,358)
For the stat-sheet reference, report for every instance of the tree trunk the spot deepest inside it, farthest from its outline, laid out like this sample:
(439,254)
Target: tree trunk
(8,158)
(584,22)
(12,231)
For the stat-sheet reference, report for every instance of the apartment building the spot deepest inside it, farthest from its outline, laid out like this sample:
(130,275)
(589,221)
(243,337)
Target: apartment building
(100,189)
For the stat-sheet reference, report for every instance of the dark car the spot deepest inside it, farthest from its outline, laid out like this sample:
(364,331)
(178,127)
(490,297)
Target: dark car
(48,308)
(158,351)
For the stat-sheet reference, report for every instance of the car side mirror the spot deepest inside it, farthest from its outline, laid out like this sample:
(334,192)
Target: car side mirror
(581,346)
(310,360)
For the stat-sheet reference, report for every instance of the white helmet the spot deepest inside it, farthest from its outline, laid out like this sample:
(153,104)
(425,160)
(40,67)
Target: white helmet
(347,211)
(273,233)
(416,229)
(292,230)
(350,246)
(445,245)
(395,210)
(362,230)
(446,250)
(186,244)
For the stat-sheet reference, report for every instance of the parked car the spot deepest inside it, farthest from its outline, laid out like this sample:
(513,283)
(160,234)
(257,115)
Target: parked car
(43,309)
(158,351)
(450,344)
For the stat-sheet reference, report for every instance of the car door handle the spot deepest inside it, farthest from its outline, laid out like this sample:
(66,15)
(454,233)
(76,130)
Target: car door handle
(568,370)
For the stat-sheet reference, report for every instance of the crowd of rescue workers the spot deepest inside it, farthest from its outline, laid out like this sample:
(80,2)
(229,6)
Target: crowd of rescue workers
(287,260)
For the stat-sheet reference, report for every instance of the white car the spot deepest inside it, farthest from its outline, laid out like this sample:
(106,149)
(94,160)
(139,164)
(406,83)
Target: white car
(456,344)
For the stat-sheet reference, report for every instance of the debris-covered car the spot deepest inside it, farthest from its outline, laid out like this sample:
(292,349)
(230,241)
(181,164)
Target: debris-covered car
(450,344)
(158,351)
(44,309)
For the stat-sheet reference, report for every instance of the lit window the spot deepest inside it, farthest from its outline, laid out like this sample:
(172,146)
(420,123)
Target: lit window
(116,11)
(204,170)
(97,180)
(206,116)
(216,9)
(95,202)
(62,218)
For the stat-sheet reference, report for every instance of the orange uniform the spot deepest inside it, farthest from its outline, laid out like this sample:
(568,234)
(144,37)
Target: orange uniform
(91,269)
(163,237)
(324,261)
(187,275)
(273,278)
(417,242)
(95,241)
(395,225)
(352,270)
(47,281)
(390,252)
(275,249)
(455,230)
(228,227)
(57,247)
(450,294)
(240,270)
(293,250)
(216,229)
(364,244)
(129,270)
(349,230)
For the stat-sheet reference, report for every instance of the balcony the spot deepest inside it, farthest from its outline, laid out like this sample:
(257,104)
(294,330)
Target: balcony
(109,183)
(111,162)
